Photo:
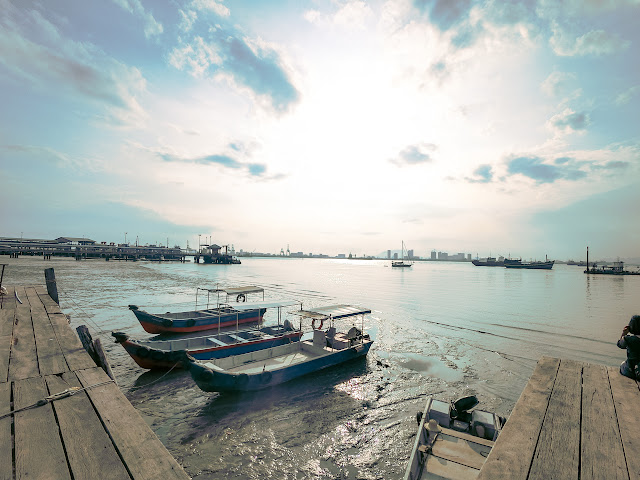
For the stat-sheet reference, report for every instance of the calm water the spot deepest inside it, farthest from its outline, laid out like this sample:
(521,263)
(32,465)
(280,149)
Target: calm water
(442,329)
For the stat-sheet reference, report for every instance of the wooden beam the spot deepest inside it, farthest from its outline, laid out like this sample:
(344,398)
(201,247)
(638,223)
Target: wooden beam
(557,453)
(601,455)
(89,449)
(512,453)
(38,448)
(6,441)
(145,456)
(23,363)
(626,398)
(50,357)
(74,353)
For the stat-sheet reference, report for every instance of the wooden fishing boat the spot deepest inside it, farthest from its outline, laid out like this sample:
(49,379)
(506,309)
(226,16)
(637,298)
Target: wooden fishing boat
(452,442)
(159,354)
(222,315)
(272,366)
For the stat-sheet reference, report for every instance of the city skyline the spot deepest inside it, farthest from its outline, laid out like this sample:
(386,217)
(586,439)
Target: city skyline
(338,125)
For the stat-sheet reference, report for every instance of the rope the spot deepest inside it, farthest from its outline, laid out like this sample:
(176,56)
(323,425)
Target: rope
(55,396)
(156,380)
(83,313)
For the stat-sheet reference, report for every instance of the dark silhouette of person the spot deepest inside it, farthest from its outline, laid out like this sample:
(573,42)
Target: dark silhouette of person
(630,339)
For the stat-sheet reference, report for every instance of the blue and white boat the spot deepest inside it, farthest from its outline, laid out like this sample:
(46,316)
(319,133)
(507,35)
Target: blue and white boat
(272,366)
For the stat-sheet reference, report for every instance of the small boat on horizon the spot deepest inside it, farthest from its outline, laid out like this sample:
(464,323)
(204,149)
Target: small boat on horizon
(272,366)
(452,441)
(401,263)
(223,314)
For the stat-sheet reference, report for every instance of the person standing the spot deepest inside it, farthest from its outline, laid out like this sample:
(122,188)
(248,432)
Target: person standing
(630,339)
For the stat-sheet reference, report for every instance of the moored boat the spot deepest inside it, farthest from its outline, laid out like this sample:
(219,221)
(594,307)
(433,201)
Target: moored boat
(272,366)
(158,354)
(488,262)
(452,441)
(546,265)
(403,263)
(222,315)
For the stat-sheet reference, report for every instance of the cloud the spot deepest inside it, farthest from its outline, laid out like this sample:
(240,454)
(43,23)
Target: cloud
(569,121)
(415,154)
(558,84)
(216,7)
(482,174)
(536,169)
(244,63)
(595,42)
(352,15)
(625,97)
(613,165)
(445,13)
(151,26)
(58,64)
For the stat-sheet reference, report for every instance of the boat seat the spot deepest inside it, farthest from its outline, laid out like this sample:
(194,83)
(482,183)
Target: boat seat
(319,339)
(216,341)
(237,338)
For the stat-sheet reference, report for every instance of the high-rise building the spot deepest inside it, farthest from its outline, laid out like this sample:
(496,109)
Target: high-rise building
(433,255)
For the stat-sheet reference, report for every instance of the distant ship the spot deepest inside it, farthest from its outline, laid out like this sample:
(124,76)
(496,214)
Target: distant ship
(489,262)
(546,265)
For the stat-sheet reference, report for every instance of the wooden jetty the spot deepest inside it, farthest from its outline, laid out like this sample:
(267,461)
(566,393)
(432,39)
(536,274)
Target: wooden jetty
(573,421)
(61,416)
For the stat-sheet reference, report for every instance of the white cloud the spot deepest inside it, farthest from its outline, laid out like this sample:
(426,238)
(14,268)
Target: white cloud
(569,121)
(625,97)
(195,57)
(188,18)
(151,26)
(558,83)
(216,7)
(350,15)
(595,42)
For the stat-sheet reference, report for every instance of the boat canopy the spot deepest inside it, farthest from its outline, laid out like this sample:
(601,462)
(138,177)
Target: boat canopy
(237,290)
(334,311)
(255,305)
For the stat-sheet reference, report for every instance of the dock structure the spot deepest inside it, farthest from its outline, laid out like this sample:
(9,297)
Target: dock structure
(61,416)
(573,421)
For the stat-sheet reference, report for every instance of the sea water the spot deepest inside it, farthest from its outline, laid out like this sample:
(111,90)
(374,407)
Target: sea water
(440,328)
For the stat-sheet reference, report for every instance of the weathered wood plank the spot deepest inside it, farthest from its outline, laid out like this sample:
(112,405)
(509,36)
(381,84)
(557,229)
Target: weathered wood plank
(557,453)
(89,449)
(601,455)
(512,454)
(6,442)
(23,363)
(38,448)
(145,456)
(50,357)
(626,398)
(5,354)
(74,353)
(58,319)
(7,316)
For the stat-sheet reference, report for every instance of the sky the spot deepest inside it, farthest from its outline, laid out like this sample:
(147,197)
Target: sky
(328,126)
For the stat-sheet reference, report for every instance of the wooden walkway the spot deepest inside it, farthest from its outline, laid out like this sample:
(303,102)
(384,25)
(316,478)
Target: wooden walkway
(94,433)
(572,421)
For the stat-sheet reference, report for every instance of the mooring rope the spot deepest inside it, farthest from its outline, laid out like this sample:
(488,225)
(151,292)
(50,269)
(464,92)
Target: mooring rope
(55,396)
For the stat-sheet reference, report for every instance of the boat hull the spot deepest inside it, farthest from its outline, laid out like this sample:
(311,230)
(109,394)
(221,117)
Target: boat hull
(210,380)
(483,263)
(532,265)
(146,356)
(162,324)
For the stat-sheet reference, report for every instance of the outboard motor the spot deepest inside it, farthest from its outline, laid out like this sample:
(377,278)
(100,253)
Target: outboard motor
(461,407)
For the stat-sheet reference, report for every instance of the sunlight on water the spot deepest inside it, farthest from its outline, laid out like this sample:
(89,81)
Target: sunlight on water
(442,329)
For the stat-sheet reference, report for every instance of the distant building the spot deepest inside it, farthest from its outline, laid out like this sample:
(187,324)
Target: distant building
(468,257)
(75,241)
(410,253)
(341,255)
(395,256)
(389,254)
(443,256)
(433,255)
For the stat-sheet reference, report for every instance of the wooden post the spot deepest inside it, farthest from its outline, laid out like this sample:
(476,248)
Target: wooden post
(87,343)
(52,288)
(104,363)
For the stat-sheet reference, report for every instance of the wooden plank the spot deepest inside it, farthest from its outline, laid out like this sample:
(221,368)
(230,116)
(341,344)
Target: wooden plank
(38,448)
(5,354)
(512,453)
(459,450)
(74,353)
(6,443)
(466,436)
(88,446)
(440,468)
(626,398)
(557,453)
(601,455)
(23,363)
(145,456)
(58,319)
(7,316)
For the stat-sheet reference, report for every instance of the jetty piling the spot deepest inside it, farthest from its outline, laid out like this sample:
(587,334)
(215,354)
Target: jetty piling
(61,416)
